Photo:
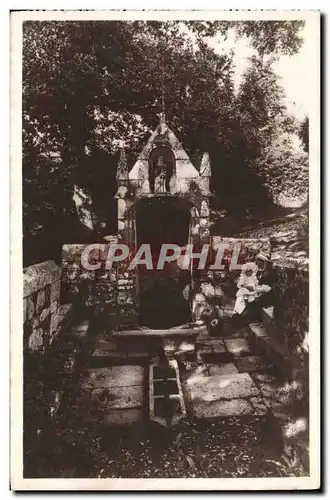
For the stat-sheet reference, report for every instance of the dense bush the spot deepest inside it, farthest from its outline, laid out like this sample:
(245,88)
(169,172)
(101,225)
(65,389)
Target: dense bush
(291,295)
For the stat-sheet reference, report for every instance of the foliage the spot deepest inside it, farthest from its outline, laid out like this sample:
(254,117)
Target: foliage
(90,88)
(225,448)
(270,134)
(260,161)
(285,171)
(304,133)
(291,293)
(266,37)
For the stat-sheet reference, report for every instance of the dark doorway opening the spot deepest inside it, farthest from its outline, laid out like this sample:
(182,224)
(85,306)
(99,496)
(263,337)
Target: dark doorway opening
(163,293)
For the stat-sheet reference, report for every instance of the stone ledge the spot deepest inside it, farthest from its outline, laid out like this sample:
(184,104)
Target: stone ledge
(169,333)
(278,354)
(64,316)
(268,321)
(39,276)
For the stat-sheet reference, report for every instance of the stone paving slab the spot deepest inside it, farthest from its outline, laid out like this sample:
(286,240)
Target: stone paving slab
(202,350)
(238,346)
(118,397)
(108,352)
(213,351)
(219,348)
(216,387)
(214,409)
(106,344)
(172,345)
(114,376)
(252,364)
(117,356)
(122,417)
(223,369)
(215,357)
(210,342)
(234,333)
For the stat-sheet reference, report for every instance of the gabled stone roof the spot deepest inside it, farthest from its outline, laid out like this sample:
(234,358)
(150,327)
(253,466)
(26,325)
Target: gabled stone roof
(163,135)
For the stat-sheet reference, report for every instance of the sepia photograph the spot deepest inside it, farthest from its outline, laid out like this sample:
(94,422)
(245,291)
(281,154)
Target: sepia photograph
(165,209)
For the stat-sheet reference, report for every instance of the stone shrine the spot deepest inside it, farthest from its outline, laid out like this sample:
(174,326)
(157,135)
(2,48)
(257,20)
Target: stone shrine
(162,199)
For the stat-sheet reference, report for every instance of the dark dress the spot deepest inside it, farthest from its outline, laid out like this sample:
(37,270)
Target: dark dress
(266,277)
(252,312)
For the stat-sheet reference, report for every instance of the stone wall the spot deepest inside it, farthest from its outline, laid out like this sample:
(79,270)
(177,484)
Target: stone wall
(48,357)
(106,294)
(41,302)
(112,295)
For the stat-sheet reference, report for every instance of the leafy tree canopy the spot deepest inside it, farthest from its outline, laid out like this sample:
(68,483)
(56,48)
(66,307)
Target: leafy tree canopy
(90,88)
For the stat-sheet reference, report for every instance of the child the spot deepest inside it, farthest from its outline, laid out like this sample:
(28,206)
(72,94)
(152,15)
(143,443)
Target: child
(247,287)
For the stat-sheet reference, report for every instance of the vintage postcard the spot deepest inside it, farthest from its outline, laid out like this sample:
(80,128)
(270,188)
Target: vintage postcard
(165,171)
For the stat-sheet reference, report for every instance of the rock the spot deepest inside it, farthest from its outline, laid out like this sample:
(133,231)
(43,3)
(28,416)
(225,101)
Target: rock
(260,406)
(30,306)
(36,340)
(267,384)
(44,314)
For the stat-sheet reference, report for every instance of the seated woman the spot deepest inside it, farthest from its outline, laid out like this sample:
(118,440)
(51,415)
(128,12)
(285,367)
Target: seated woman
(265,275)
(247,287)
(255,289)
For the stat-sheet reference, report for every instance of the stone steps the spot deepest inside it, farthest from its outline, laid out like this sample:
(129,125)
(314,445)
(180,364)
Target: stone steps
(225,388)
(264,338)
(268,322)
(107,351)
(226,395)
(220,383)
(112,395)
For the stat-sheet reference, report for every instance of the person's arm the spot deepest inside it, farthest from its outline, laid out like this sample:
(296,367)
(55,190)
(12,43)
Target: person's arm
(241,281)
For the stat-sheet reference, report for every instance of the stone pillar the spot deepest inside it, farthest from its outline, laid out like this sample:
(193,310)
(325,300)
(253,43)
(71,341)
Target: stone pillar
(127,299)
(126,283)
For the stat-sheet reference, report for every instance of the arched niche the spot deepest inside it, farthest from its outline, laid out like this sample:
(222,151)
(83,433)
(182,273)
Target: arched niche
(161,169)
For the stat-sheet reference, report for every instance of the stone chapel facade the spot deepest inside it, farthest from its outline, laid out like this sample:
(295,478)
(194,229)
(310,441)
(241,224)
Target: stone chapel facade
(162,199)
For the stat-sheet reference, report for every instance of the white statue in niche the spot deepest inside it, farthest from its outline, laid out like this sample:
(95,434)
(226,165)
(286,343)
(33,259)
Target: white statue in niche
(205,211)
(160,177)
(161,169)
